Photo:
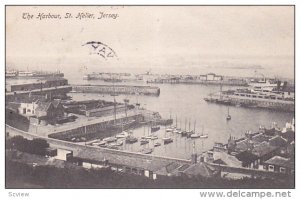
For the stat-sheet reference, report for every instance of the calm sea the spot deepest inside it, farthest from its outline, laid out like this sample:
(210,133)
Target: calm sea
(186,103)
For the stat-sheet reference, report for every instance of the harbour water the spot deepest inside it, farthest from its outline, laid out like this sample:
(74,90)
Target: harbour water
(186,102)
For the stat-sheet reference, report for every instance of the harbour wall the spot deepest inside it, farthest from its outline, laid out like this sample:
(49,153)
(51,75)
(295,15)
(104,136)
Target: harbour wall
(205,82)
(53,91)
(100,129)
(280,105)
(265,103)
(117,89)
(109,153)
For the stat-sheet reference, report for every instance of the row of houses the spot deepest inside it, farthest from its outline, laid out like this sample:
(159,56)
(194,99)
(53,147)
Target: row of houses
(38,109)
(138,164)
(269,150)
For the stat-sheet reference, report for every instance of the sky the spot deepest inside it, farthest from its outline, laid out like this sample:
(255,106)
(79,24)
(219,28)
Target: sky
(165,38)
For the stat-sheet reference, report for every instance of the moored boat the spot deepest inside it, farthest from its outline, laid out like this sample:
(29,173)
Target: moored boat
(110,139)
(195,135)
(155,128)
(203,135)
(167,140)
(146,151)
(169,130)
(144,141)
(119,143)
(124,134)
(184,133)
(228,117)
(157,144)
(131,139)
(175,131)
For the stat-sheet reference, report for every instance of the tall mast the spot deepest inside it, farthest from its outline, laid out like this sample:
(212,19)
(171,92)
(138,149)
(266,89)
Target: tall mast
(115,111)
(221,90)
(180,123)
(195,126)
(126,103)
(194,143)
(85,135)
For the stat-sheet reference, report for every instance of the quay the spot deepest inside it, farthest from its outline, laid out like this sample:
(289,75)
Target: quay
(258,101)
(117,89)
(52,87)
(95,157)
(59,91)
(100,127)
(97,127)
(197,81)
(208,79)
(14,74)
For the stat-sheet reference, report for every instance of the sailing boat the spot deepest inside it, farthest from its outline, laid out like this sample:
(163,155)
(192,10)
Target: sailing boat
(170,129)
(228,116)
(195,135)
(166,139)
(175,129)
(183,133)
(151,137)
(130,139)
(189,133)
(123,134)
(179,131)
(144,140)
(203,135)
(155,127)
(137,101)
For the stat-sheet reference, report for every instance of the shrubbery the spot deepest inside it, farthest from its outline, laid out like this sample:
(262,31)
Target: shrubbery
(35,146)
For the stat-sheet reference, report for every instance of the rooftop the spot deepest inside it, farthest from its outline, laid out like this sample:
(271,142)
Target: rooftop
(200,169)
(263,149)
(246,156)
(227,159)
(31,98)
(13,106)
(142,162)
(259,138)
(43,106)
(280,161)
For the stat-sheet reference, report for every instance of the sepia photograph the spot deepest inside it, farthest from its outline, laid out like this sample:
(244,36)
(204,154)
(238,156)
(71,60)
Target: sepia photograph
(150,97)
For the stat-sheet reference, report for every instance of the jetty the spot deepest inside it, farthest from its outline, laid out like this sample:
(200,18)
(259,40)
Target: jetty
(117,89)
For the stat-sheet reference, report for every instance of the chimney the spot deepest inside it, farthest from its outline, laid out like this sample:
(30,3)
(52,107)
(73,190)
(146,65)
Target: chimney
(194,158)
(194,155)
(201,158)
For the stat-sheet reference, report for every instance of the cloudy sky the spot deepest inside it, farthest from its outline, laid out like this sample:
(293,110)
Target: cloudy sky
(162,37)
